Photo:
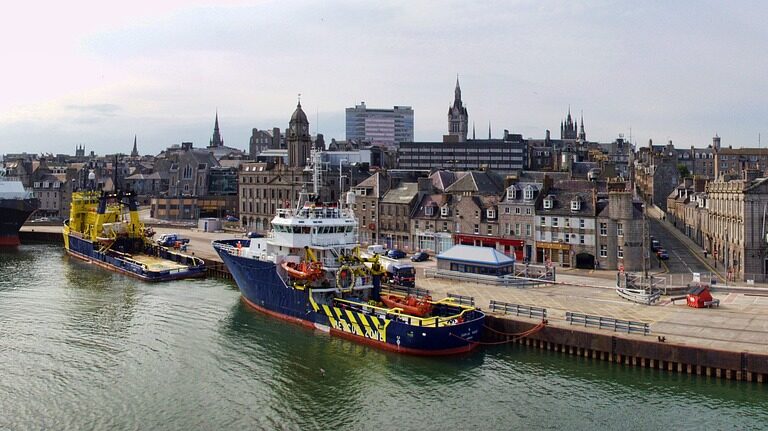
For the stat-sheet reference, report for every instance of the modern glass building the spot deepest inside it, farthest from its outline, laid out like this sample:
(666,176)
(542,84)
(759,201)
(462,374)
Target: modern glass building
(388,127)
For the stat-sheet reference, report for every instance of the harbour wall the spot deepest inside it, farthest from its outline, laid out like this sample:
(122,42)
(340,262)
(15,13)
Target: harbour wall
(632,351)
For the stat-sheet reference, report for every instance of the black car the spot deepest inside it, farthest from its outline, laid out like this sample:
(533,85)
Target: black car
(254,235)
(420,257)
(395,254)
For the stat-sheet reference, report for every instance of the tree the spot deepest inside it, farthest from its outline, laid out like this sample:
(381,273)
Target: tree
(684,172)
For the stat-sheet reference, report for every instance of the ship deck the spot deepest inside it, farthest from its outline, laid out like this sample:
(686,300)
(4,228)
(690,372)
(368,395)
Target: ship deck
(154,263)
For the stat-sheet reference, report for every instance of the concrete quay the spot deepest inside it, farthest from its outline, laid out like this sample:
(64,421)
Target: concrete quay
(730,341)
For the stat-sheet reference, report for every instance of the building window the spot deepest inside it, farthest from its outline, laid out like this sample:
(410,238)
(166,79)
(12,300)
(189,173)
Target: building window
(477,228)
(581,223)
(512,193)
(444,211)
(603,251)
(506,210)
(428,210)
(517,210)
(543,221)
(517,229)
(567,222)
(548,203)
(555,221)
(490,229)
(528,193)
(527,230)
(477,213)
(527,211)
(581,239)
(490,213)
(603,229)
(576,205)
(620,229)
(620,252)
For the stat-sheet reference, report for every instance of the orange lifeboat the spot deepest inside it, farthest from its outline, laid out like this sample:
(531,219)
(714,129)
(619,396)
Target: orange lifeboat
(410,304)
(303,270)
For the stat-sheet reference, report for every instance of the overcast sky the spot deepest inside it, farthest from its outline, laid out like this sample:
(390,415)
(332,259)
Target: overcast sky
(96,73)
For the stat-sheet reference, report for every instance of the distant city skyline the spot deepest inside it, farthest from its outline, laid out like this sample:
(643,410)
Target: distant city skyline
(97,74)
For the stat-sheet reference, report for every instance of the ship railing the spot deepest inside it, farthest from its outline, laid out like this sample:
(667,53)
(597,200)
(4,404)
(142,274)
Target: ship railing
(397,313)
(336,241)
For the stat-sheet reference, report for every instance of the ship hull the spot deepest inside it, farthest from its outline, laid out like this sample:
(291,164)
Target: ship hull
(13,214)
(263,289)
(84,249)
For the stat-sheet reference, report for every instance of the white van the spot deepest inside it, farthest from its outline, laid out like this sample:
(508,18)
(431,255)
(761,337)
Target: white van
(376,249)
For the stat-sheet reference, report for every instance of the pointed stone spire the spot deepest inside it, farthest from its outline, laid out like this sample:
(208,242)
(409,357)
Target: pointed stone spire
(135,151)
(582,133)
(216,140)
(457,92)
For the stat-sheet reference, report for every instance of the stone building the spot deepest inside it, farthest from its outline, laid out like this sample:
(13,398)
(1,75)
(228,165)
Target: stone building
(582,224)
(656,173)
(395,210)
(368,193)
(735,230)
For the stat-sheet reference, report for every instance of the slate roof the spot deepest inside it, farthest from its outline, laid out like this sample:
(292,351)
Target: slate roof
(477,182)
(473,254)
(402,194)
(436,199)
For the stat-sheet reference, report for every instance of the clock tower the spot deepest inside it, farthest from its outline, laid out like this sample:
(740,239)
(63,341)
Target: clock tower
(298,140)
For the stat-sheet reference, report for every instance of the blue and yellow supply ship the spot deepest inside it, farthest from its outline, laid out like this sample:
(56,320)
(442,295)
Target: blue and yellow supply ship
(104,228)
(308,270)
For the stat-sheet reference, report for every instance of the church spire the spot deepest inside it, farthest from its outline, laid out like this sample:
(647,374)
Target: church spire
(135,151)
(216,140)
(582,133)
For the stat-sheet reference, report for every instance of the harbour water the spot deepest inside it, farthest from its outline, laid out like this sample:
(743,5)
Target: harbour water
(82,348)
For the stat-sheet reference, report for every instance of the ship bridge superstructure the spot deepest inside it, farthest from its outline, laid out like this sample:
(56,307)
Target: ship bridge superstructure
(315,226)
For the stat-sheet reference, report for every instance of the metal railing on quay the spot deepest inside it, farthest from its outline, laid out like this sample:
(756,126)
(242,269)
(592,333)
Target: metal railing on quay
(600,322)
(405,290)
(462,299)
(517,309)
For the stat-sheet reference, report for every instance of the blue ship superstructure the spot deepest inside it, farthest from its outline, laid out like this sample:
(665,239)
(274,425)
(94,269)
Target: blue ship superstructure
(309,270)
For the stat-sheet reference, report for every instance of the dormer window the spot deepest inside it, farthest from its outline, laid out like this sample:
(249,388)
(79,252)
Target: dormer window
(549,202)
(444,211)
(429,210)
(490,213)
(512,193)
(576,205)
(528,195)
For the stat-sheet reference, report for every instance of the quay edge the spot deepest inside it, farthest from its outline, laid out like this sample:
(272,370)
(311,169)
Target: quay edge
(634,352)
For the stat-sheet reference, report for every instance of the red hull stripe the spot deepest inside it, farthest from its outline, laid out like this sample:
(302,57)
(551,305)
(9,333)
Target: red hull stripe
(375,343)
(9,241)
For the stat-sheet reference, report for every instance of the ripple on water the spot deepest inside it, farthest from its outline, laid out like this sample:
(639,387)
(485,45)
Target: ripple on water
(84,348)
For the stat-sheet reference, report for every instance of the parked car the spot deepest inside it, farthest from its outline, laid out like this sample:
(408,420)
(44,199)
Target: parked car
(420,256)
(395,254)
(171,239)
(376,249)
(254,235)
(232,218)
(662,254)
